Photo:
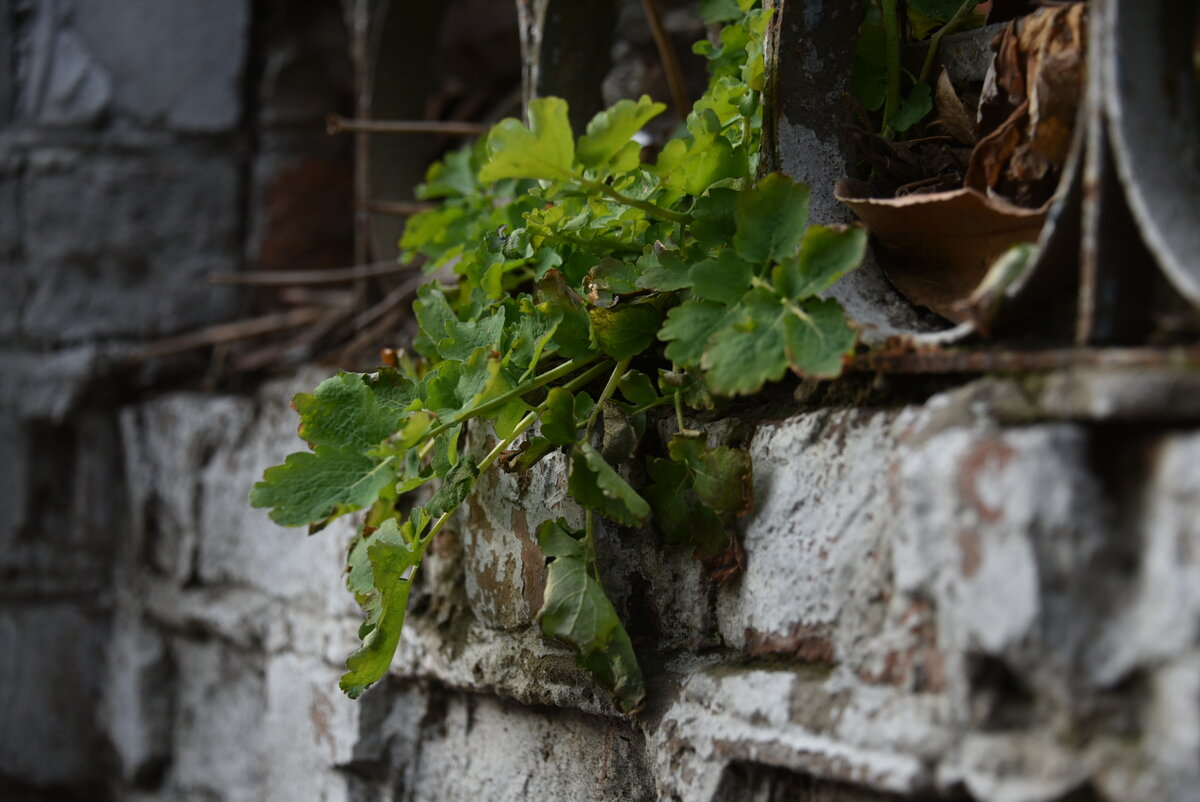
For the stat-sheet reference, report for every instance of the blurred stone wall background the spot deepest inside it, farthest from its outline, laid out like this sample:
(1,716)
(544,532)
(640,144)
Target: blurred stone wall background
(972,590)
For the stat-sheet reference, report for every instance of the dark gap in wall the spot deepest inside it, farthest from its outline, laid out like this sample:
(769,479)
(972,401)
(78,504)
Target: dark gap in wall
(754,782)
(250,128)
(999,699)
(51,461)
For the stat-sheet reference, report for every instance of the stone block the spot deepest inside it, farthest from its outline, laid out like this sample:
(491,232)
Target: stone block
(139,698)
(217,732)
(49,659)
(310,729)
(178,65)
(478,747)
(146,231)
(64,510)
(817,561)
(186,449)
(64,83)
(168,444)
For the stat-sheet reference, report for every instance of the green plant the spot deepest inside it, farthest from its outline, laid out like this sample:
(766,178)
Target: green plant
(577,266)
(879,78)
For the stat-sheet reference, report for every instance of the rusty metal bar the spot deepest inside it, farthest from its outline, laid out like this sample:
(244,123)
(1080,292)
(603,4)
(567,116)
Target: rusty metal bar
(396,208)
(934,361)
(229,332)
(336,124)
(289,278)
(669,58)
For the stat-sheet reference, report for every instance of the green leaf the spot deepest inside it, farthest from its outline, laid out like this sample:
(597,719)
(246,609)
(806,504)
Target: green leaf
(678,514)
(456,486)
(869,83)
(610,130)
(689,327)
(310,487)
(546,149)
(595,485)
(714,11)
(434,316)
(625,331)
(720,475)
(815,346)
(455,387)
(576,610)
(462,339)
(558,421)
(509,417)
(392,389)
(714,224)
(360,579)
(724,279)
(913,109)
(573,338)
(692,166)
(453,176)
(826,254)
(747,354)
(534,331)
(343,413)
(393,565)
(609,279)
(771,219)
(662,269)
(637,388)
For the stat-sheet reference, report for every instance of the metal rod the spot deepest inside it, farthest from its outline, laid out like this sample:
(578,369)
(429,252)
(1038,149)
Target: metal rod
(290,278)
(666,52)
(336,124)
(229,332)
(964,361)
(396,208)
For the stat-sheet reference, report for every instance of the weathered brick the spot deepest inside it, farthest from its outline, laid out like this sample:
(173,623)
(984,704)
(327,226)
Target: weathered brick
(146,231)
(177,64)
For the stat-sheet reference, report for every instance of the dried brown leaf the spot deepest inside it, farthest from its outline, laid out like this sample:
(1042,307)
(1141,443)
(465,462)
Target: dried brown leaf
(937,248)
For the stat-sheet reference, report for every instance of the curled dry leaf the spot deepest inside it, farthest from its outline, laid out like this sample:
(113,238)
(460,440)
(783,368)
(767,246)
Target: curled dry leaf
(938,247)
(953,117)
(1034,87)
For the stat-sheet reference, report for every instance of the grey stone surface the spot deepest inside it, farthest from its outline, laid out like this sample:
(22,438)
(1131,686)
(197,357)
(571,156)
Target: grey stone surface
(150,228)
(177,64)
(913,621)
(64,86)
(482,748)
(48,701)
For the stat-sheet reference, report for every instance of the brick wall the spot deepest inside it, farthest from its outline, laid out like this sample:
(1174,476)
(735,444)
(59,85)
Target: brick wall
(962,589)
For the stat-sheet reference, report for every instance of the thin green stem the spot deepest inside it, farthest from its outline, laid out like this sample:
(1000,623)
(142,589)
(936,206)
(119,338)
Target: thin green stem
(956,22)
(679,411)
(652,209)
(891,39)
(609,389)
(524,388)
(582,379)
(505,444)
(589,542)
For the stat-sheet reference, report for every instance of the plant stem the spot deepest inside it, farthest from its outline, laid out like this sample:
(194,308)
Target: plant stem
(891,39)
(606,394)
(589,542)
(530,418)
(956,22)
(537,382)
(652,209)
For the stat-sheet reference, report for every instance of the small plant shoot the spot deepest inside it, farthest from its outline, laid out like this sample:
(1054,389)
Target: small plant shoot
(590,287)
